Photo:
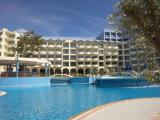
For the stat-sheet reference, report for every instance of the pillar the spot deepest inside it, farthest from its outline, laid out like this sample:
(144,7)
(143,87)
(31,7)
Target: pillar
(46,69)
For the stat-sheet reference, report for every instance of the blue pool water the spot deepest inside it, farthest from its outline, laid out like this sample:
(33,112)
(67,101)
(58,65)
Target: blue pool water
(63,101)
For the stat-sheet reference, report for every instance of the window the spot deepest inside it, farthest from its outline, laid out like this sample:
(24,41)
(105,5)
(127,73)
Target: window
(113,39)
(87,63)
(119,34)
(133,56)
(114,63)
(43,56)
(73,51)
(94,57)
(57,56)
(126,46)
(125,39)
(107,57)
(101,58)
(133,50)
(73,57)
(101,51)
(121,63)
(66,51)
(107,39)
(126,52)
(94,63)
(101,64)
(134,62)
(113,34)
(80,57)
(108,63)
(120,58)
(114,57)
(80,63)
(107,33)
(119,39)
(73,63)
(65,57)
(65,44)
(65,63)
(73,45)
(127,57)
(57,63)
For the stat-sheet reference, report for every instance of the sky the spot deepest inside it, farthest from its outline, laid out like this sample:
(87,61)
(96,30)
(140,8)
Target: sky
(70,18)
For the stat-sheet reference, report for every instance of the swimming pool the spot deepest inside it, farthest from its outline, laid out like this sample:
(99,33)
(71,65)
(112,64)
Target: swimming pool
(63,101)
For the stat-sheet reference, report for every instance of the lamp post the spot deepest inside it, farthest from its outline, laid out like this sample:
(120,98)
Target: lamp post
(17,64)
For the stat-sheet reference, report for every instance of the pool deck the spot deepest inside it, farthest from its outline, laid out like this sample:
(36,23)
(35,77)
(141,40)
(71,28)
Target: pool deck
(2,93)
(134,109)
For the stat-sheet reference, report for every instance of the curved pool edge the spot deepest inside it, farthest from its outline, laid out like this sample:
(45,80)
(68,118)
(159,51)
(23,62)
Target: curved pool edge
(2,93)
(85,114)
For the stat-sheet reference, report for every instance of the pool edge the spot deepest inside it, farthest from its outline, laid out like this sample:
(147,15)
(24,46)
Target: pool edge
(85,114)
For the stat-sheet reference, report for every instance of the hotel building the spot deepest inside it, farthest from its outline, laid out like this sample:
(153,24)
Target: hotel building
(111,52)
(80,56)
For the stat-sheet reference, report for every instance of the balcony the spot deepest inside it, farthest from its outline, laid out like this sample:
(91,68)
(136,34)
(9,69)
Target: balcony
(80,52)
(43,52)
(80,59)
(95,47)
(88,46)
(115,53)
(81,46)
(9,39)
(51,59)
(108,53)
(50,52)
(95,59)
(44,46)
(109,65)
(88,65)
(58,46)
(58,65)
(88,59)
(80,65)
(114,65)
(115,59)
(58,59)
(94,53)
(9,45)
(36,53)
(51,46)
(109,59)
(95,65)
(59,52)
(88,53)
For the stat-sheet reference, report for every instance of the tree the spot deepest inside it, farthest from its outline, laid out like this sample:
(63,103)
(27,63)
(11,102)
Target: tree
(139,18)
(28,43)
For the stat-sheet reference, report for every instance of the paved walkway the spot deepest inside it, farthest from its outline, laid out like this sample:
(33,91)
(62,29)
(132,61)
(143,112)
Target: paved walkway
(135,109)
(2,93)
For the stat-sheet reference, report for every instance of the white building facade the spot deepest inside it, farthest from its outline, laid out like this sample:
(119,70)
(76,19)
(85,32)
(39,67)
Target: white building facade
(111,53)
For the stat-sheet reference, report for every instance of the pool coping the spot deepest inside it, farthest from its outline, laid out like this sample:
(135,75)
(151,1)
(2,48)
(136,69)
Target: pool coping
(87,113)
(2,93)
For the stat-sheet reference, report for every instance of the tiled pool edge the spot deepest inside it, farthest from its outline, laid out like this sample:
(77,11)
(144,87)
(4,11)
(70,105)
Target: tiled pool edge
(85,114)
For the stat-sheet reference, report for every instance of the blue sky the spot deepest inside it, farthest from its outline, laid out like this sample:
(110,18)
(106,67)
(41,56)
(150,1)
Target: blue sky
(75,18)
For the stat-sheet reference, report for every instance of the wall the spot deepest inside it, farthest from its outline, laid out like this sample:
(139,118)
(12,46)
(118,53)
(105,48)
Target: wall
(23,81)
(79,80)
(121,81)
